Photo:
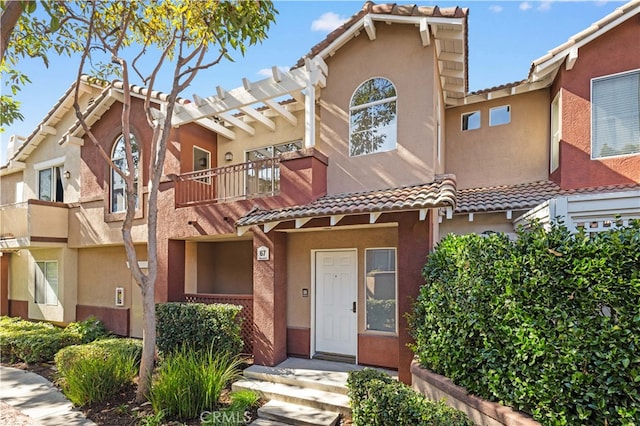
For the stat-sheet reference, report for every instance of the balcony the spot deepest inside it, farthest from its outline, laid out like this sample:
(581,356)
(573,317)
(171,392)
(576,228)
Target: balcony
(34,221)
(253,179)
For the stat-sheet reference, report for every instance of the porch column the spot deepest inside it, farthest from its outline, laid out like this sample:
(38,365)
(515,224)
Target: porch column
(269,298)
(414,244)
(4,283)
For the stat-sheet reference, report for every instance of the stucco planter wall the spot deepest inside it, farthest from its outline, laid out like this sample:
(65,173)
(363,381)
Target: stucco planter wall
(482,412)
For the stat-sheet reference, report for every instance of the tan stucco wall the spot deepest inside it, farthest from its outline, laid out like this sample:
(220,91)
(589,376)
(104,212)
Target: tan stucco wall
(512,153)
(65,310)
(48,149)
(398,55)
(19,275)
(299,260)
(8,188)
(48,221)
(87,226)
(100,271)
(225,268)
(284,132)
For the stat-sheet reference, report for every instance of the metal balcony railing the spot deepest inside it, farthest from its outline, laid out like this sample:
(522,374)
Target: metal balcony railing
(229,183)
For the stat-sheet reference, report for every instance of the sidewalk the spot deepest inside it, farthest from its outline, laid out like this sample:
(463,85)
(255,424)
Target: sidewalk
(36,397)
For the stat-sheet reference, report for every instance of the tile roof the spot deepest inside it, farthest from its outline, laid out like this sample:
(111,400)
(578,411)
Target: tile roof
(387,9)
(521,196)
(439,193)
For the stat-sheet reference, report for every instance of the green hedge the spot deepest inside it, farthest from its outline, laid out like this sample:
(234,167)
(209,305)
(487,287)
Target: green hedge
(548,324)
(31,342)
(199,326)
(377,399)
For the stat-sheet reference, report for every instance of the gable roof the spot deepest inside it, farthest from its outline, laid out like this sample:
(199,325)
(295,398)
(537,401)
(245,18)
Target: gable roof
(439,193)
(445,27)
(107,93)
(548,65)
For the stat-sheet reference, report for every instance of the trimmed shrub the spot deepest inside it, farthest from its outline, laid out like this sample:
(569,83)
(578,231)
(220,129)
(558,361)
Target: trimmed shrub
(189,382)
(199,326)
(95,371)
(88,330)
(377,399)
(548,324)
(31,342)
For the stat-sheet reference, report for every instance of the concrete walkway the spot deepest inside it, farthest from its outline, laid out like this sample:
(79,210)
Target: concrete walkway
(36,397)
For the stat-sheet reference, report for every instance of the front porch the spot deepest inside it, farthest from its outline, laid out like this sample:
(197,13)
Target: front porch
(302,391)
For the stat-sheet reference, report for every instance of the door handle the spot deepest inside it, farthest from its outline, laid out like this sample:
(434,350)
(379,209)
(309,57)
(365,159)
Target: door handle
(353,308)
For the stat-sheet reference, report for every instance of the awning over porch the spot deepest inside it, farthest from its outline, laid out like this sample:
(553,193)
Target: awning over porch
(439,193)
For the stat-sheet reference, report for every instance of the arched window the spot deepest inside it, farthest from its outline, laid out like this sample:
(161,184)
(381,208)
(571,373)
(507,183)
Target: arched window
(118,185)
(373,118)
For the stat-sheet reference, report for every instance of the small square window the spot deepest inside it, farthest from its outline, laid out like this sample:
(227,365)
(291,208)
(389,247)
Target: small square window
(471,120)
(500,115)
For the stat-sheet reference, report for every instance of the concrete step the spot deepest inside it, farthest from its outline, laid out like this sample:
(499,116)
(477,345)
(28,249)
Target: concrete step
(329,381)
(314,398)
(295,414)
(267,422)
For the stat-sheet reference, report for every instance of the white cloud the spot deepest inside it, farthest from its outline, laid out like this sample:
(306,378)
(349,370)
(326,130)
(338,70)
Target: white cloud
(525,5)
(327,22)
(544,6)
(495,8)
(266,72)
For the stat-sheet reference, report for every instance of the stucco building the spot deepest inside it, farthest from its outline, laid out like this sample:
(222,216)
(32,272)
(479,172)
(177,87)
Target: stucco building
(313,197)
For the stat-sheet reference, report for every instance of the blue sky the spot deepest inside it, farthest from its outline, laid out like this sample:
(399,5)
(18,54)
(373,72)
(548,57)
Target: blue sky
(504,38)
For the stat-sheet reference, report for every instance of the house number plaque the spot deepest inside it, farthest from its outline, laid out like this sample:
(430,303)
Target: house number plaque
(263,253)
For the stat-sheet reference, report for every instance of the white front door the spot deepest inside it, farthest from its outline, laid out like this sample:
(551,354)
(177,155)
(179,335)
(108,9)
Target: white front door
(336,290)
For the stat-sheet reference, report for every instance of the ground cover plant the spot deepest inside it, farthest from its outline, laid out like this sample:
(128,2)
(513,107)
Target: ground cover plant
(31,342)
(548,324)
(378,399)
(189,382)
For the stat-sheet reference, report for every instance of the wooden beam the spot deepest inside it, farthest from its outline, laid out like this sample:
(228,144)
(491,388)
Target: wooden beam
(370,27)
(301,221)
(218,128)
(270,225)
(259,117)
(277,76)
(423,214)
(572,57)
(424,32)
(373,217)
(235,121)
(335,219)
(282,111)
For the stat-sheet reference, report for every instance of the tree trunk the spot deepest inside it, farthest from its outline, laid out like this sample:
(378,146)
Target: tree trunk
(10,15)
(148,341)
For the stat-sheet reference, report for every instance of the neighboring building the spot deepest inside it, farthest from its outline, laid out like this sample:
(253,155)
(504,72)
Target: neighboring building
(317,212)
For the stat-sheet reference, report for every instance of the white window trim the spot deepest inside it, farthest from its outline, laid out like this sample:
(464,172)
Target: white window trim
(35,283)
(203,150)
(508,106)
(112,171)
(464,114)
(54,162)
(369,104)
(386,333)
(619,74)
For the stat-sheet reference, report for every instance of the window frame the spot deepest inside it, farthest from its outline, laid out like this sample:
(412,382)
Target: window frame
(395,290)
(491,117)
(594,81)
(355,108)
(45,285)
(113,173)
(469,114)
(55,179)
(272,152)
